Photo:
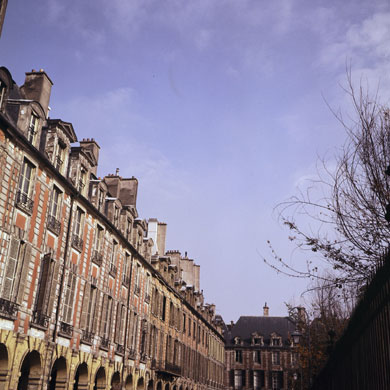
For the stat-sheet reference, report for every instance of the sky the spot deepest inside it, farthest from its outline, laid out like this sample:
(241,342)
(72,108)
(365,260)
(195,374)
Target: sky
(220,108)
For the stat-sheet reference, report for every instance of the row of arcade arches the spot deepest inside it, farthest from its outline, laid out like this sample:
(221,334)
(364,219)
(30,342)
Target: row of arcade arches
(31,376)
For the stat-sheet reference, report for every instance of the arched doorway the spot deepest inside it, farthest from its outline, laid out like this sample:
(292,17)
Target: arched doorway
(81,377)
(58,375)
(141,384)
(159,386)
(3,365)
(150,385)
(129,382)
(116,381)
(100,379)
(30,372)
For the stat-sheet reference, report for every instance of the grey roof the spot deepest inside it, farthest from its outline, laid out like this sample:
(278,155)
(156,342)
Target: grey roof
(265,326)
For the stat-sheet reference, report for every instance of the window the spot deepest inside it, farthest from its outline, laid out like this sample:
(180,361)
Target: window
(294,358)
(257,356)
(164,303)
(83,180)
(276,358)
(78,222)
(277,380)
(238,379)
(276,341)
(60,158)
(147,288)
(98,238)
(16,269)
(77,241)
(116,215)
(184,323)
(54,223)
(55,202)
(128,229)
(258,341)
(69,298)
(91,307)
(113,258)
(46,288)
(33,128)
(25,180)
(137,282)
(238,356)
(100,199)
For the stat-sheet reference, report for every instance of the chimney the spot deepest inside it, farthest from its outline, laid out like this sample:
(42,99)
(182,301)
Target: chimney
(265,310)
(92,146)
(161,237)
(37,86)
(128,191)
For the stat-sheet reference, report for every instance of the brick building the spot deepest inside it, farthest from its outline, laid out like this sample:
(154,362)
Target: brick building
(89,298)
(260,353)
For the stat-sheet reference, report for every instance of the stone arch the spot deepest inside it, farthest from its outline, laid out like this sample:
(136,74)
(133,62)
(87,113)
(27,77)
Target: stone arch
(30,372)
(129,382)
(174,387)
(141,384)
(100,379)
(58,375)
(116,381)
(159,386)
(81,377)
(3,365)
(181,387)
(166,387)
(150,385)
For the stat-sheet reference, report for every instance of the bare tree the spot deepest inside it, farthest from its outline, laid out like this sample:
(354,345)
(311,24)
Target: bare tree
(320,325)
(352,233)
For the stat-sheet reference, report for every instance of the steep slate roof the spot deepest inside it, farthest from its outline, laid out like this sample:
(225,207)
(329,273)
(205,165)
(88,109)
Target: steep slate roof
(247,325)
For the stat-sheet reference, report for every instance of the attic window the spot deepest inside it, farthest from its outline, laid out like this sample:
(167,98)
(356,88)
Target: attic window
(257,341)
(33,128)
(276,342)
(237,341)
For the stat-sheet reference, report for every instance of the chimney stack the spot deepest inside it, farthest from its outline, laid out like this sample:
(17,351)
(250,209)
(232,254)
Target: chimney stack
(37,87)
(265,310)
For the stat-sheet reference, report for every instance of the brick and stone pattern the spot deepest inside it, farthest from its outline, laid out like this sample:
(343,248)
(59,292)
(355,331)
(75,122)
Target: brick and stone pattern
(86,299)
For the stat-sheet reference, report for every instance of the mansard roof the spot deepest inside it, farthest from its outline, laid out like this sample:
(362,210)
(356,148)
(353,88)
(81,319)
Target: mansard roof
(247,325)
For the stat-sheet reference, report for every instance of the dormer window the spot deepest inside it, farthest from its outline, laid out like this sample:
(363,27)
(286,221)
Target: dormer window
(33,128)
(237,341)
(116,215)
(128,229)
(60,158)
(100,199)
(276,341)
(82,181)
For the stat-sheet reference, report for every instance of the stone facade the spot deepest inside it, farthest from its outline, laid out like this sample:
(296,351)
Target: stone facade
(260,353)
(89,298)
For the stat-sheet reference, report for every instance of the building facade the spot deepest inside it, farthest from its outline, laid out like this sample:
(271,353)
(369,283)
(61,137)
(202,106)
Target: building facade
(260,353)
(89,297)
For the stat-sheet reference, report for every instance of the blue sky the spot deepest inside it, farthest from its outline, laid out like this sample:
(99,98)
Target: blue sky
(218,107)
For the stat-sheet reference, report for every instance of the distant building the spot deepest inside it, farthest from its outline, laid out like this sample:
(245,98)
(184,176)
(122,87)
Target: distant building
(260,353)
(3,7)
